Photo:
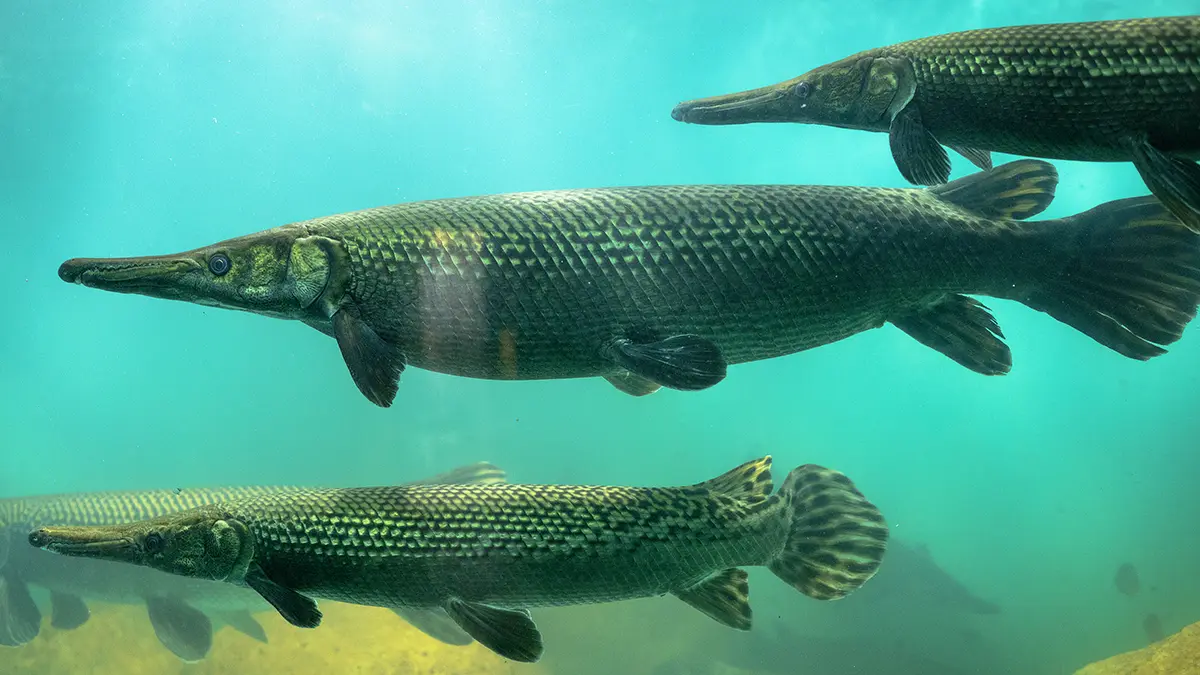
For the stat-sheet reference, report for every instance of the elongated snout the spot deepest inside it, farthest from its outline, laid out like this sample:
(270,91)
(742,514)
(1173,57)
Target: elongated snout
(765,104)
(86,542)
(157,276)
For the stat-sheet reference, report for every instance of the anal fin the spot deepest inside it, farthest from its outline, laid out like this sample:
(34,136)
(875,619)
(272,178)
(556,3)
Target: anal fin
(724,597)
(1174,180)
(435,623)
(684,362)
(511,633)
(976,156)
(244,623)
(67,612)
(181,628)
(918,155)
(963,329)
(631,384)
(374,363)
(20,618)
(1014,190)
(298,610)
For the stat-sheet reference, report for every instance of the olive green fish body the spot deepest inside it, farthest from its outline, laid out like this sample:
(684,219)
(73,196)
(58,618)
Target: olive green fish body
(665,286)
(1101,91)
(508,545)
(483,554)
(1078,91)
(533,285)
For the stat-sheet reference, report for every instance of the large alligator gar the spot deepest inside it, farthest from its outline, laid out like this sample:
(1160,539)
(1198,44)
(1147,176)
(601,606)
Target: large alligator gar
(179,607)
(486,553)
(664,286)
(1106,91)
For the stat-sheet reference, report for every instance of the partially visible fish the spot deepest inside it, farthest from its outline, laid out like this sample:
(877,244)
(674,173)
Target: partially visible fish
(666,286)
(485,553)
(1107,91)
(181,609)
(1153,627)
(1126,579)
(913,575)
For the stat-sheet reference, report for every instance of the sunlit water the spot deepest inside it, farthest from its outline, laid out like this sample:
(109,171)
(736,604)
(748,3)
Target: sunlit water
(133,128)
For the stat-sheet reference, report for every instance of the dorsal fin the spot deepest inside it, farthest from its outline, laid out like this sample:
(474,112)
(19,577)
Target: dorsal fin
(750,482)
(1013,191)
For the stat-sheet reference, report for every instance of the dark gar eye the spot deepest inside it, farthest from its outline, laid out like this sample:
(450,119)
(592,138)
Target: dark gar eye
(800,89)
(219,264)
(153,543)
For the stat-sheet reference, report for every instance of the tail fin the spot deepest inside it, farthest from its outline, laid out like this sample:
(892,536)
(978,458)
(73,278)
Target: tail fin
(837,538)
(1134,283)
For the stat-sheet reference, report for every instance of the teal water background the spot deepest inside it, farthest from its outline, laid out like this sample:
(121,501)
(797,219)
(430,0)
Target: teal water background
(134,128)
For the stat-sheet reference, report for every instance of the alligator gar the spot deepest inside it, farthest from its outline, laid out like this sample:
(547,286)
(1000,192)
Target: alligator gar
(484,554)
(180,609)
(665,286)
(1103,91)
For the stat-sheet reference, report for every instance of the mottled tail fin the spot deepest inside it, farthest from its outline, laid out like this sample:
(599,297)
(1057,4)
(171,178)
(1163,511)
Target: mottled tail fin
(1133,283)
(837,538)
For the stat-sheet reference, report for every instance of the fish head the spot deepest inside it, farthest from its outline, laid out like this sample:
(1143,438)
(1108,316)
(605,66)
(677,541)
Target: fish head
(279,272)
(202,543)
(859,92)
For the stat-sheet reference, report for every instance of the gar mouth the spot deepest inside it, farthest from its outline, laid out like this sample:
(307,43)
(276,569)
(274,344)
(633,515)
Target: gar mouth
(81,545)
(728,109)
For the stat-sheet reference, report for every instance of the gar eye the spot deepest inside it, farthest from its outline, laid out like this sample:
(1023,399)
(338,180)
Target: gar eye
(153,543)
(219,264)
(801,89)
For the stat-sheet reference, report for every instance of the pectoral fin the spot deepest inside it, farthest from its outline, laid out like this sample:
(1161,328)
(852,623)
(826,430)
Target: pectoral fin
(724,597)
(1174,180)
(632,384)
(245,624)
(510,633)
(374,363)
(181,628)
(963,329)
(20,618)
(919,156)
(67,612)
(299,610)
(685,362)
(435,623)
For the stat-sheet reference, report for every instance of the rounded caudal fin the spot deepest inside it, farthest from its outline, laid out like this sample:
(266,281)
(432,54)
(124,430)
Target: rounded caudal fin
(837,538)
(1133,283)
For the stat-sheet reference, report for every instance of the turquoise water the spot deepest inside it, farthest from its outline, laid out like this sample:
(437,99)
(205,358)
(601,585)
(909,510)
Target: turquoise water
(136,128)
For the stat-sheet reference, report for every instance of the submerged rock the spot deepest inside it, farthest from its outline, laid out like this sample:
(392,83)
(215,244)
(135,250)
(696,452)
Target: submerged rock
(1176,655)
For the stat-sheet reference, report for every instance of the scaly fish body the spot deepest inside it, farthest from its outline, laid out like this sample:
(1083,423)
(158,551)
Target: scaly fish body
(663,286)
(71,580)
(1107,91)
(485,553)
(1077,91)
